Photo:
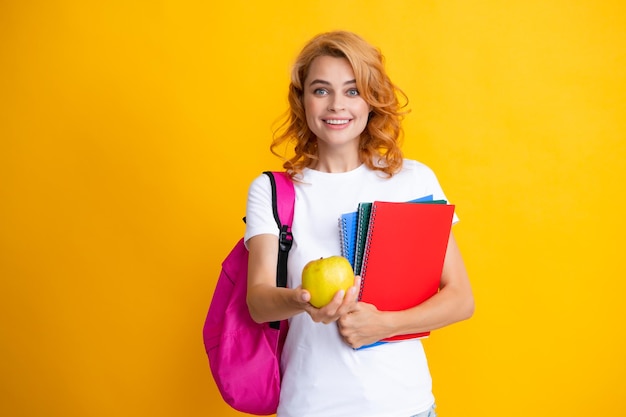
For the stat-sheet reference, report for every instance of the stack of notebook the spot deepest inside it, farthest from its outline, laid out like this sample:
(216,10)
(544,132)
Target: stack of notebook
(398,249)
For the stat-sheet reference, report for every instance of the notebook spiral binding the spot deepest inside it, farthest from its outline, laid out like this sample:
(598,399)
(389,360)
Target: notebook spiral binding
(343,237)
(363,220)
(366,249)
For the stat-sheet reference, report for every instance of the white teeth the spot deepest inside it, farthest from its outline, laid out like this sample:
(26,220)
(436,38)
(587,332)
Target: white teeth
(336,122)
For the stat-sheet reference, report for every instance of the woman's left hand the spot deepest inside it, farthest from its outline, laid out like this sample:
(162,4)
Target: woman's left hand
(363,325)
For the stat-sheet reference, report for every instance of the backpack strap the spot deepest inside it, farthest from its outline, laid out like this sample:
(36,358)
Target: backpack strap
(283,201)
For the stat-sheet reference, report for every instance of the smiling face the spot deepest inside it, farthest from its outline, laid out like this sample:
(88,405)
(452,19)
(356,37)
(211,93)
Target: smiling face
(335,112)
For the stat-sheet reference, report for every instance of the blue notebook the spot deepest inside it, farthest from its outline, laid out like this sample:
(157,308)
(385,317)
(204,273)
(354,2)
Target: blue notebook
(347,225)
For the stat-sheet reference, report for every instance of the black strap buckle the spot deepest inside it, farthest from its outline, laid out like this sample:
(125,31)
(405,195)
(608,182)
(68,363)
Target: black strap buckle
(285,238)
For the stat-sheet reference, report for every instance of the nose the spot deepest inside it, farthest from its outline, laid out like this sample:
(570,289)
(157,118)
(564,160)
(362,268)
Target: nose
(336,103)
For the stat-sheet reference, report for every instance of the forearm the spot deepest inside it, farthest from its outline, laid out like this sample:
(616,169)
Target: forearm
(267,303)
(449,306)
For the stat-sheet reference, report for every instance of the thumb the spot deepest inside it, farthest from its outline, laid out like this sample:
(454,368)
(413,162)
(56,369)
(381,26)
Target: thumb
(302,295)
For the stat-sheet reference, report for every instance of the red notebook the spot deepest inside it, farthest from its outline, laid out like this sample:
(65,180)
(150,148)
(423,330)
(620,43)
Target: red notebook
(404,253)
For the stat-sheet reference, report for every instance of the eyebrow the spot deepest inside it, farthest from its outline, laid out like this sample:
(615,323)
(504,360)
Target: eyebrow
(323,82)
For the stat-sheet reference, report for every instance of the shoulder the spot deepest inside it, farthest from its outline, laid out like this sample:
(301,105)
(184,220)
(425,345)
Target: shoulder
(260,186)
(259,212)
(259,196)
(261,181)
(417,170)
(409,166)
(416,166)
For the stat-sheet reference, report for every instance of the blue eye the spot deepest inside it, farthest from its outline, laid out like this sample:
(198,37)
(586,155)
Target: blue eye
(353,92)
(320,92)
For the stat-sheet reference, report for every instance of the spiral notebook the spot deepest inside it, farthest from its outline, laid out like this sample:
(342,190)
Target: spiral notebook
(353,241)
(363,219)
(404,252)
(348,233)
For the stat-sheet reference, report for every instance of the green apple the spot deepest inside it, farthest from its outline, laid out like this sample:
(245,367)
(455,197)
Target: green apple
(323,277)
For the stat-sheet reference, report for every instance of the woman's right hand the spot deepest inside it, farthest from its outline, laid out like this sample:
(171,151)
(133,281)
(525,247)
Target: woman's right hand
(341,303)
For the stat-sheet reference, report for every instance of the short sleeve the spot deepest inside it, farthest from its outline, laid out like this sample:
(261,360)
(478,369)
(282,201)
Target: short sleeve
(426,174)
(259,214)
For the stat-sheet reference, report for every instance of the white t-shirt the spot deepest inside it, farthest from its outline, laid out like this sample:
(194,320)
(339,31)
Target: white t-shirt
(322,375)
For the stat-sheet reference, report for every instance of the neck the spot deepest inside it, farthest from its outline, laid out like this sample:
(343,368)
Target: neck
(337,164)
(337,160)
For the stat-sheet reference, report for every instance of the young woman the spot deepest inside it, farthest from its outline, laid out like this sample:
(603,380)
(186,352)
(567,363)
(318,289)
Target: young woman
(345,122)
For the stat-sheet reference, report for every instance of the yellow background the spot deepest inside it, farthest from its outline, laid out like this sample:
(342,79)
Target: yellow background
(130,130)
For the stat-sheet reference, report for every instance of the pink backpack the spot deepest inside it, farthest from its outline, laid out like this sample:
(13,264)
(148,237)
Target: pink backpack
(244,356)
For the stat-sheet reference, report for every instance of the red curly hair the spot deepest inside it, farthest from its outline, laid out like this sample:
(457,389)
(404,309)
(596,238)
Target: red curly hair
(380,141)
